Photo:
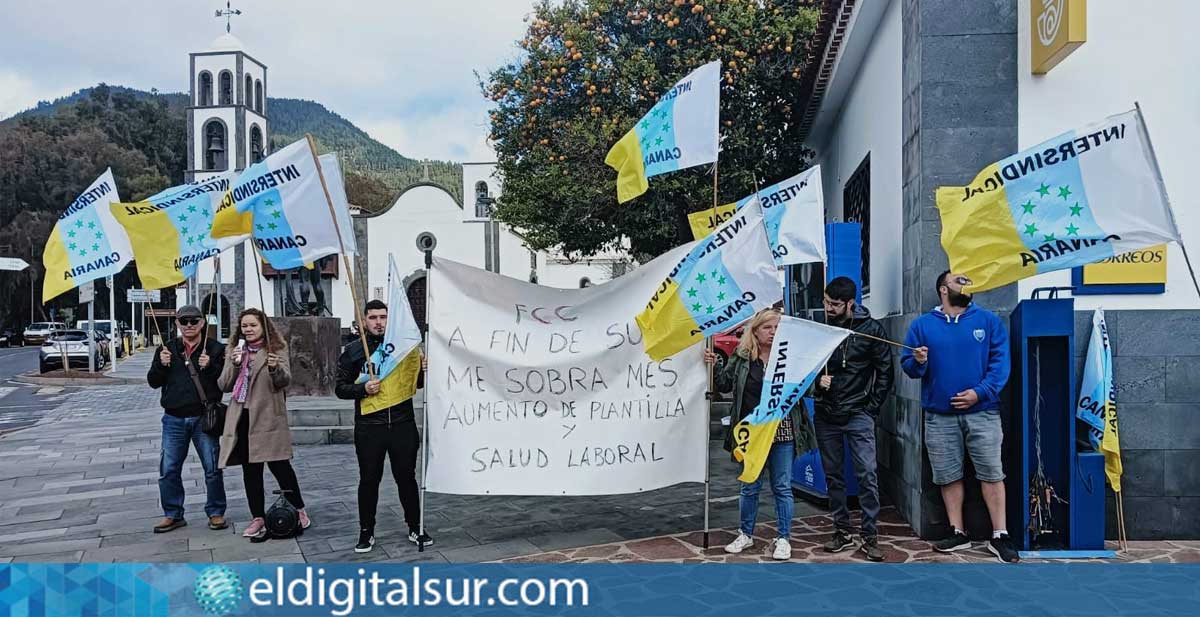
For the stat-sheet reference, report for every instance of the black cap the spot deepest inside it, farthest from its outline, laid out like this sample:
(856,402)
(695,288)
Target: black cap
(188,310)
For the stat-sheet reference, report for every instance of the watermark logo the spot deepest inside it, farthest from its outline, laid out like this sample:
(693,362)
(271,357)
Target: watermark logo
(218,590)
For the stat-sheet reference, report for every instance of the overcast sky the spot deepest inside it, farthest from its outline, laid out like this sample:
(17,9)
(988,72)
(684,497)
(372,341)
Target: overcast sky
(402,70)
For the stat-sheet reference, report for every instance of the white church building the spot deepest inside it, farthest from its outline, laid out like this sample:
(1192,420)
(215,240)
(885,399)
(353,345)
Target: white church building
(228,127)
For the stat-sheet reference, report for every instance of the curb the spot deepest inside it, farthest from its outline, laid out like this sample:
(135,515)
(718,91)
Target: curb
(37,380)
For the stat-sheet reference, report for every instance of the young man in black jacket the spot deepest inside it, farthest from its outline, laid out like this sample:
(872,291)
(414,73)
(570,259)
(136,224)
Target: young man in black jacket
(390,432)
(170,371)
(848,396)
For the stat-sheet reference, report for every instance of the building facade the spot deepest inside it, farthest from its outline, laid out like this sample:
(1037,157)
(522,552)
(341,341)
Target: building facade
(909,95)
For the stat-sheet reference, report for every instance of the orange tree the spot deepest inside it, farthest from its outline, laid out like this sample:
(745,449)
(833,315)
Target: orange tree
(588,69)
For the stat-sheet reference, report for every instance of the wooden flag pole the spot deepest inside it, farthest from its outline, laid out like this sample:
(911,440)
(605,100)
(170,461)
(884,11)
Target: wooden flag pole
(262,299)
(362,331)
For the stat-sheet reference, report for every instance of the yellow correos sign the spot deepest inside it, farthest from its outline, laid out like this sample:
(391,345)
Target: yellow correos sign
(1148,265)
(1057,28)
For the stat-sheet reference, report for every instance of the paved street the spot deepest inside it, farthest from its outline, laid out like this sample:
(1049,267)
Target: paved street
(82,485)
(17,360)
(22,405)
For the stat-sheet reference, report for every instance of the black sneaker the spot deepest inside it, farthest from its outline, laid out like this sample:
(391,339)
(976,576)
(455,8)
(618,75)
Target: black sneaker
(839,543)
(366,541)
(1002,548)
(422,539)
(870,547)
(956,542)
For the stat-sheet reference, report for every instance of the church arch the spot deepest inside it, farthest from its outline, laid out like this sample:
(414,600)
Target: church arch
(204,96)
(226,87)
(215,145)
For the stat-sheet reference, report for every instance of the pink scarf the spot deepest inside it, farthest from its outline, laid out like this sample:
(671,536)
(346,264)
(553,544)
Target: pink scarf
(242,387)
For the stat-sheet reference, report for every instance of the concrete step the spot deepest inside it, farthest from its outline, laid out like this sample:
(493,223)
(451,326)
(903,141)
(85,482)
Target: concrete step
(321,435)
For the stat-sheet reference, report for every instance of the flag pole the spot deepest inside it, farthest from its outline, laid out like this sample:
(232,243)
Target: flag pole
(362,331)
(1163,187)
(425,412)
(262,298)
(712,393)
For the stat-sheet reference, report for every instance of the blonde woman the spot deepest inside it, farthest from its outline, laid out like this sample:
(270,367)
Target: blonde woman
(743,373)
(257,373)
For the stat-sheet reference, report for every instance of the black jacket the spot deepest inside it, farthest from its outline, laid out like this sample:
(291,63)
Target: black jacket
(862,373)
(179,395)
(350,366)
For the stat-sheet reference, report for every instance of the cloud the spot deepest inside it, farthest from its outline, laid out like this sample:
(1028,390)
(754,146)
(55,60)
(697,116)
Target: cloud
(403,71)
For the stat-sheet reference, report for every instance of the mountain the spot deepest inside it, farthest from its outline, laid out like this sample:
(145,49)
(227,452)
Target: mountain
(383,171)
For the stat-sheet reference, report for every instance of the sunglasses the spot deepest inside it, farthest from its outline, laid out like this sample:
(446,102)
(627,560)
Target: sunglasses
(189,321)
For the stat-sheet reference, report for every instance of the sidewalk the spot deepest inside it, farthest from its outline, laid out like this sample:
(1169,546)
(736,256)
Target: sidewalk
(81,485)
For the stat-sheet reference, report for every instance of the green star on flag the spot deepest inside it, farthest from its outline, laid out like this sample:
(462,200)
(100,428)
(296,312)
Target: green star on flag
(1031,229)
(1064,191)
(696,308)
(666,127)
(182,218)
(1043,190)
(1072,230)
(95,247)
(271,226)
(709,309)
(721,281)
(1076,209)
(645,124)
(79,224)
(99,236)
(71,234)
(72,246)
(721,297)
(1028,206)
(268,202)
(276,213)
(658,141)
(700,278)
(1048,238)
(691,292)
(83,253)
(91,225)
(259,227)
(191,208)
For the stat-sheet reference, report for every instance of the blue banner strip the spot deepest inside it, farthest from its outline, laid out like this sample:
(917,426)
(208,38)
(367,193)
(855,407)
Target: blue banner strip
(134,590)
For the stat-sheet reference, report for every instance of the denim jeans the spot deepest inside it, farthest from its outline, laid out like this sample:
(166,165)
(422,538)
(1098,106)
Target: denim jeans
(779,466)
(177,434)
(859,434)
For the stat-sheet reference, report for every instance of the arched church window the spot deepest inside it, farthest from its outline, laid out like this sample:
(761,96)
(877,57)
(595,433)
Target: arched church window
(256,144)
(248,92)
(205,94)
(258,96)
(483,201)
(226,80)
(214,146)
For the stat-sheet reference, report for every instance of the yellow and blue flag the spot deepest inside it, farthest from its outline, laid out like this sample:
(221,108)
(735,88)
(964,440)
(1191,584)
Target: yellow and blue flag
(86,243)
(397,360)
(170,231)
(292,223)
(793,213)
(723,281)
(679,132)
(1082,197)
(800,349)
(1097,405)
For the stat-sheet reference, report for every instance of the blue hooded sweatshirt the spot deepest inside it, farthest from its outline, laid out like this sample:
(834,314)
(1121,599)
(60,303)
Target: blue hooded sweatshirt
(969,351)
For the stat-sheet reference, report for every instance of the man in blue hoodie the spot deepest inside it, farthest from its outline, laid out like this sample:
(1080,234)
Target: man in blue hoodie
(961,358)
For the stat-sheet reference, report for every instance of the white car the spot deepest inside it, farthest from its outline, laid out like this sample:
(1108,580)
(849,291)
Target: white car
(74,344)
(39,331)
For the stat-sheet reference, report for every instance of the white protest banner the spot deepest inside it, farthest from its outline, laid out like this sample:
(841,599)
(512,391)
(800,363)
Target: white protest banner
(541,391)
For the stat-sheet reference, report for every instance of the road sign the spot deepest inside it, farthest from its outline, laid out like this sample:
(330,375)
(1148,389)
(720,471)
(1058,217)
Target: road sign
(87,292)
(13,263)
(143,295)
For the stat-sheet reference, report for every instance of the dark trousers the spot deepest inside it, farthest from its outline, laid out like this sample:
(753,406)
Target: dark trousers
(252,475)
(399,442)
(859,434)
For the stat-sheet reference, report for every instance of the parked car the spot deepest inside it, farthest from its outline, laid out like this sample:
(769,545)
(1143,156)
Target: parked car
(39,331)
(104,328)
(74,343)
(11,337)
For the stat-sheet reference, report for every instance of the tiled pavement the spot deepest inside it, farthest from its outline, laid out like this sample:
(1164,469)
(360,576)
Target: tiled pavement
(81,485)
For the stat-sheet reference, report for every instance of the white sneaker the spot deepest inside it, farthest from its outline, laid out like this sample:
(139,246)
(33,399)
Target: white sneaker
(739,544)
(783,550)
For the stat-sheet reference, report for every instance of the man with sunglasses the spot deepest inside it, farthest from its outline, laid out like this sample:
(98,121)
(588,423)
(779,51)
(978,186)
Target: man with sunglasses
(848,395)
(171,371)
(961,357)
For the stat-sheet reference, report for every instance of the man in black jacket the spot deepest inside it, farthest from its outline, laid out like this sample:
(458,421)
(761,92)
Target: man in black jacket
(390,432)
(170,371)
(849,394)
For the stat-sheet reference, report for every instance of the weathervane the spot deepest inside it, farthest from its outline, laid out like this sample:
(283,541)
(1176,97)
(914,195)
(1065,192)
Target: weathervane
(228,14)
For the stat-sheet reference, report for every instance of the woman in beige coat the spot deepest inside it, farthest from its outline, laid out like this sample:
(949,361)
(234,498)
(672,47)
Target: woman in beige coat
(256,427)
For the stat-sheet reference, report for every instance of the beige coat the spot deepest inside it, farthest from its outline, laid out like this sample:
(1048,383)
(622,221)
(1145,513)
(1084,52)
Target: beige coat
(266,402)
